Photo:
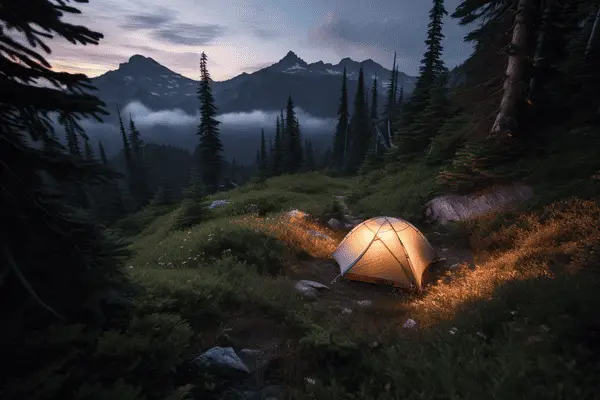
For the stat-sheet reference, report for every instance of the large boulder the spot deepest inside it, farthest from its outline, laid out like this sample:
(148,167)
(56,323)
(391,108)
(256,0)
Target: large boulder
(447,208)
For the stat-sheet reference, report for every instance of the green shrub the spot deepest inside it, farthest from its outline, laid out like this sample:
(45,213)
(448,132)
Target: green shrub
(136,361)
(136,223)
(259,250)
(333,210)
(191,213)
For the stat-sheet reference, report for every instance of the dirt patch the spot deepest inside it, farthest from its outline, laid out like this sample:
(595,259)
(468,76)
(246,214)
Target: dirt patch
(372,306)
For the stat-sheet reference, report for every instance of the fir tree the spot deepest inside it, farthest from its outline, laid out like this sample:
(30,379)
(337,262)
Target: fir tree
(88,151)
(360,131)
(341,130)
(72,139)
(277,157)
(51,142)
(54,260)
(195,191)
(374,105)
(102,154)
(431,119)
(390,105)
(293,154)
(271,154)
(432,64)
(127,153)
(135,140)
(262,161)
(210,147)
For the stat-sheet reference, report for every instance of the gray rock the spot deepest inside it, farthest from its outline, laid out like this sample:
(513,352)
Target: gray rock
(310,289)
(448,208)
(218,203)
(364,303)
(318,235)
(223,358)
(335,223)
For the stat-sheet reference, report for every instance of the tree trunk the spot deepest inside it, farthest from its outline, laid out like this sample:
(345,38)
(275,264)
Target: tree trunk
(592,39)
(513,85)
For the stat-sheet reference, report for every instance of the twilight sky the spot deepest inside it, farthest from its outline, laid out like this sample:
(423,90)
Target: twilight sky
(246,35)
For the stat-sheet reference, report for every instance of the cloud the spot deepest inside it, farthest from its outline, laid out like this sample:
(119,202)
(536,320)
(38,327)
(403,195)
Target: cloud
(189,34)
(164,26)
(144,117)
(267,119)
(148,21)
(380,34)
(263,33)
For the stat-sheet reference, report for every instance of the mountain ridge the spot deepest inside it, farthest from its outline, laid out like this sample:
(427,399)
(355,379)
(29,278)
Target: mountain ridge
(314,87)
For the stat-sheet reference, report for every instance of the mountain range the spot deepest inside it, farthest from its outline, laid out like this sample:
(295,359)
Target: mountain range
(315,88)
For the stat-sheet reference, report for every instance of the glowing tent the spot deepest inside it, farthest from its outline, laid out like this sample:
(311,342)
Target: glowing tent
(385,250)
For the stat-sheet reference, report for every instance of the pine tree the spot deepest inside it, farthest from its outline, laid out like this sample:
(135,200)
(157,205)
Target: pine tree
(210,147)
(102,154)
(55,261)
(400,100)
(271,154)
(88,151)
(431,65)
(72,139)
(127,154)
(293,153)
(51,142)
(277,158)
(195,190)
(374,105)
(431,119)
(262,161)
(390,105)
(360,131)
(341,130)
(412,138)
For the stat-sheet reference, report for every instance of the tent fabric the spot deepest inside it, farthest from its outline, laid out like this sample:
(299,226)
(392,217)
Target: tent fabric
(385,248)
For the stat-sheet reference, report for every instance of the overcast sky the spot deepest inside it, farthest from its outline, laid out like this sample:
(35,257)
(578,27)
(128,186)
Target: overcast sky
(246,35)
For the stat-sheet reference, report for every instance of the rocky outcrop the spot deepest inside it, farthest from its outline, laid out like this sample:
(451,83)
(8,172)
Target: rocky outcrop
(448,208)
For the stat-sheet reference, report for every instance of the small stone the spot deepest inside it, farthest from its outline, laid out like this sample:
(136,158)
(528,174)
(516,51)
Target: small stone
(347,311)
(364,303)
(410,323)
(224,357)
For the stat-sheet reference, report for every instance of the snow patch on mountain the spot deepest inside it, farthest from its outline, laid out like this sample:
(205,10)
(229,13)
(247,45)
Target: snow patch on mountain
(297,67)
